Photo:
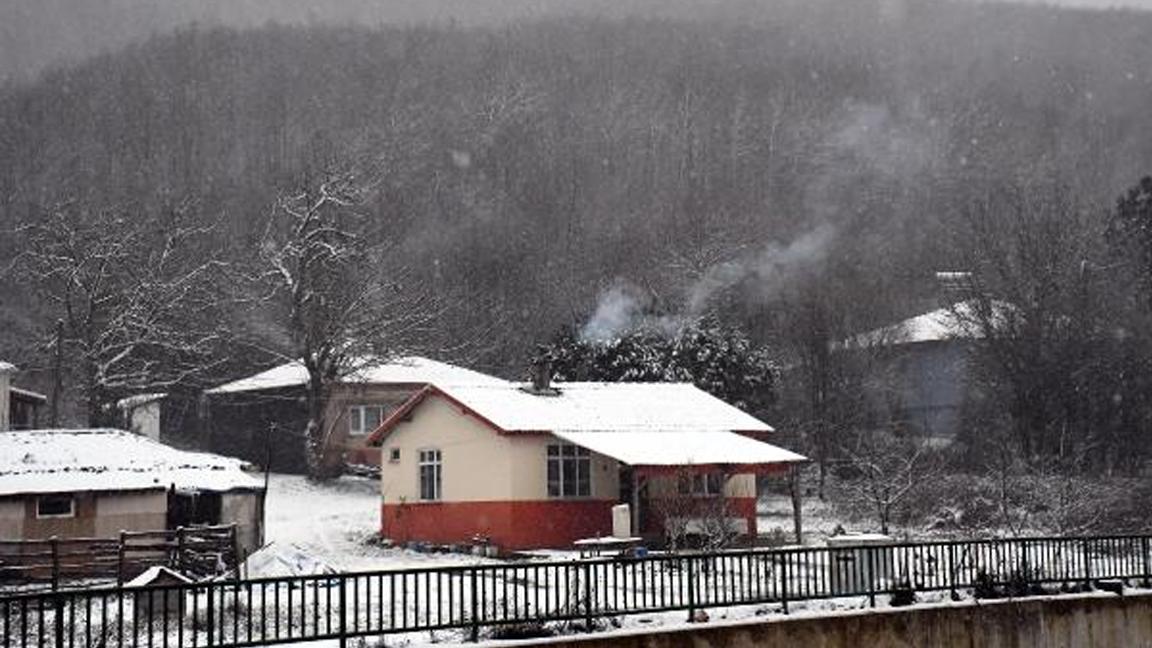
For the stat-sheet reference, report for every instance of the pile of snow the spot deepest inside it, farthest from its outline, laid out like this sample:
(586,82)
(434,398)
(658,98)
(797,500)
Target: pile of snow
(279,560)
(412,370)
(52,461)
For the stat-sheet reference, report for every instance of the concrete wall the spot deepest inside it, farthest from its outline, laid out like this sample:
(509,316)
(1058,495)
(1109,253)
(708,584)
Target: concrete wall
(145,420)
(1103,621)
(96,515)
(11,519)
(117,512)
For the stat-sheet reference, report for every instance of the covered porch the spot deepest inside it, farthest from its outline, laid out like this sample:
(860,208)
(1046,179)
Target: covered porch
(688,488)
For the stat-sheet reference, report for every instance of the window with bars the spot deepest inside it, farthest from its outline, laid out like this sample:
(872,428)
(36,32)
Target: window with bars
(430,475)
(364,419)
(569,471)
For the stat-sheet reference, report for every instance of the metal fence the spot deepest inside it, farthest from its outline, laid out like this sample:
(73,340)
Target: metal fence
(472,599)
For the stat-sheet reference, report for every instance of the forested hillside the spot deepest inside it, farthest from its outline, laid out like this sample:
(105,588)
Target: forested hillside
(793,159)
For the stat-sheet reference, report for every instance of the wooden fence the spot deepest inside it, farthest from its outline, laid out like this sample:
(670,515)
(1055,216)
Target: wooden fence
(51,562)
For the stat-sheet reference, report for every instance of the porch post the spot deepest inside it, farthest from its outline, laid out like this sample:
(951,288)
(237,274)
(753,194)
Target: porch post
(635,502)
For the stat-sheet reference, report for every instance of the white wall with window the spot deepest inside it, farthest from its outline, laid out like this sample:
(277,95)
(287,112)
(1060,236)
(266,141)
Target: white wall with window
(364,419)
(430,470)
(569,471)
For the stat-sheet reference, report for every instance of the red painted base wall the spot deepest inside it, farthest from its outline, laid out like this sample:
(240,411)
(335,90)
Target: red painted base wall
(508,525)
(519,525)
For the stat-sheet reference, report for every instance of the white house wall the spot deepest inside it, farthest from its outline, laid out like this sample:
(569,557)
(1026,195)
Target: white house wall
(476,462)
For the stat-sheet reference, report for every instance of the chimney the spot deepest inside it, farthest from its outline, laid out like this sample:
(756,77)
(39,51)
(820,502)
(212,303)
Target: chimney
(953,285)
(541,375)
(6,371)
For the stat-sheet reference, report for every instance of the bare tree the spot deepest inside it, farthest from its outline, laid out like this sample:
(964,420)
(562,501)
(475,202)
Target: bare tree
(326,270)
(884,471)
(131,291)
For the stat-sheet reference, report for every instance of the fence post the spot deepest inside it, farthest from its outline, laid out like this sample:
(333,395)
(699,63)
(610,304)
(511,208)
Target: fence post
(475,607)
(1087,563)
(784,581)
(952,570)
(691,589)
(211,616)
(343,611)
(871,575)
(58,621)
(55,543)
(1144,553)
(588,596)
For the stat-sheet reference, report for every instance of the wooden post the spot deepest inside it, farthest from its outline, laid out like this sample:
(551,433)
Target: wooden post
(55,543)
(120,560)
(178,561)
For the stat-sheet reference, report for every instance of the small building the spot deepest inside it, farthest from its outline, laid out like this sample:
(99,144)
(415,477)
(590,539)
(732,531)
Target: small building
(264,415)
(142,414)
(161,594)
(530,467)
(97,483)
(19,408)
(921,367)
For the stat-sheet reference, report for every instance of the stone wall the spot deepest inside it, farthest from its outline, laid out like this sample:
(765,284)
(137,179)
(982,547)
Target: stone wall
(1097,620)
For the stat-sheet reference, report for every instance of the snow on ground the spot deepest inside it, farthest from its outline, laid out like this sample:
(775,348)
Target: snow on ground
(339,522)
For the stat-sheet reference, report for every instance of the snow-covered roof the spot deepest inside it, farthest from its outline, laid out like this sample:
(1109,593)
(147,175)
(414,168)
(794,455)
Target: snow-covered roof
(27,394)
(681,448)
(132,402)
(640,424)
(407,370)
(957,321)
(52,461)
(603,406)
(6,367)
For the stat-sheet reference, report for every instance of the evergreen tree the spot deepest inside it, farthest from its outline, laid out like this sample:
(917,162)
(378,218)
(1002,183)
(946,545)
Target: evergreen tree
(717,358)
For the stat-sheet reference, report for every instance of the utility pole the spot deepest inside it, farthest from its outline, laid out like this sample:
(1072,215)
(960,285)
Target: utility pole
(57,376)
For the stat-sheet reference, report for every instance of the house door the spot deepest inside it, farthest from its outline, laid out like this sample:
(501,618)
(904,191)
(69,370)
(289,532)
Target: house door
(634,492)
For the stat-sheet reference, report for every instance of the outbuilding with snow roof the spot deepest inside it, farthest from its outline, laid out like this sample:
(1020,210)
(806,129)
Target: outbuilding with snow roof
(97,483)
(528,467)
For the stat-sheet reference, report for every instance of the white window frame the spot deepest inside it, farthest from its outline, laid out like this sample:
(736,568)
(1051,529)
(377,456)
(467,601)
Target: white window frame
(356,426)
(563,482)
(394,455)
(430,459)
(707,484)
(47,516)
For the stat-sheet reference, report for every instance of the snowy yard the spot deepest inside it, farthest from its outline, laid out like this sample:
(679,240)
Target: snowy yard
(338,522)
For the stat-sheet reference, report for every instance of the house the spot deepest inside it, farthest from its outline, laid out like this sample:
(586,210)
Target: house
(263,416)
(96,483)
(921,368)
(19,408)
(527,467)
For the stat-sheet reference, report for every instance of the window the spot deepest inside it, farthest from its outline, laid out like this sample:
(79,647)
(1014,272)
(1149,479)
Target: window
(364,419)
(569,471)
(394,455)
(430,474)
(55,506)
(701,484)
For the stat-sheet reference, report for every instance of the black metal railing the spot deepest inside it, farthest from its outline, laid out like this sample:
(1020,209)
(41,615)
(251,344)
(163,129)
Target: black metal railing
(470,599)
